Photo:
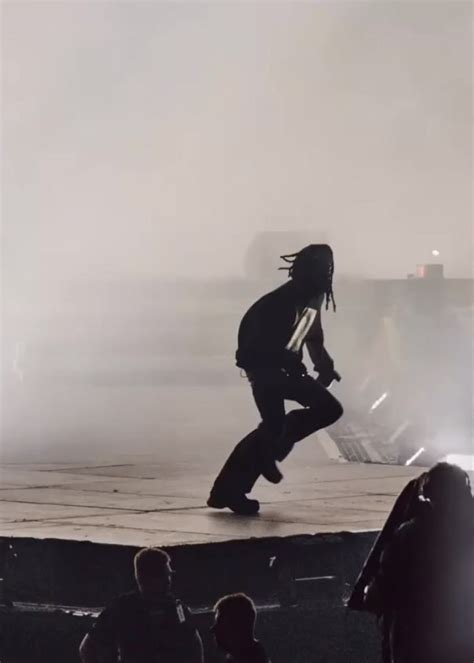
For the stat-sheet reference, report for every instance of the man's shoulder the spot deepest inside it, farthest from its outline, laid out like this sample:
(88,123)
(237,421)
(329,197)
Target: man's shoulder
(122,611)
(316,302)
(124,603)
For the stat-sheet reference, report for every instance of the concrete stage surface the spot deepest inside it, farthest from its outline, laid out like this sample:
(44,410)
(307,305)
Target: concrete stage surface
(138,500)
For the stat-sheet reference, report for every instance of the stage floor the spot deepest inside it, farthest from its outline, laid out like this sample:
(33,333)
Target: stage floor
(138,500)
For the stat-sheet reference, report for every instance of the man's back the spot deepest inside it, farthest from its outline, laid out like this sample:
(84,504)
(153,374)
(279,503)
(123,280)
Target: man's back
(266,328)
(145,631)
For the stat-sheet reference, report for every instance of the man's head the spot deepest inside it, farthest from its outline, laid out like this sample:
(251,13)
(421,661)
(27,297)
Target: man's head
(153,571)
(234,623)
(446,486)
(312,271)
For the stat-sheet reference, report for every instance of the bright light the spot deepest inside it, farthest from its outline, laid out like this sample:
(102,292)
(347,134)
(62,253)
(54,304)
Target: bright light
(435,252)
(464,461)
(401,429)
(379,401)
(415,456)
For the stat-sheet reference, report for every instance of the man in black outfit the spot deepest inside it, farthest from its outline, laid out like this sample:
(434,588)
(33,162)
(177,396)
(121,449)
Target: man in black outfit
(234,630)
(270,349)
(146,626)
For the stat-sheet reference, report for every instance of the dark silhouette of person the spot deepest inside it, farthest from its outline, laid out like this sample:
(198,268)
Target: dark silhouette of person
(405,508)
(146,626)
(424,586)
(234,630)
(271,337)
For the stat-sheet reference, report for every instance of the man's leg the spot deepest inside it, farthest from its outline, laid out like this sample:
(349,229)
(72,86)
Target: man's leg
(321,409)
(277,434)
(255,452)
(268,390)
(236,476)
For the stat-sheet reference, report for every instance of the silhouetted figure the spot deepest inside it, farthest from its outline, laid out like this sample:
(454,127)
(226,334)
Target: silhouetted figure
(147,626)
(405,508)
(234,630)
(270,349)
(424,586)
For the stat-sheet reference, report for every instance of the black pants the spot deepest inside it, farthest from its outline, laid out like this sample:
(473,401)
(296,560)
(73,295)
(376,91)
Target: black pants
(278,431)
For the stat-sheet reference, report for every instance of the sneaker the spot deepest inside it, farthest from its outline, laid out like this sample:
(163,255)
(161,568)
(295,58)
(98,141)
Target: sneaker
(238,504)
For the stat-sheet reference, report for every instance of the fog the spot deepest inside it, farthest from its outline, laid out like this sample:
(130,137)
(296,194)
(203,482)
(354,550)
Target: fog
(145,147)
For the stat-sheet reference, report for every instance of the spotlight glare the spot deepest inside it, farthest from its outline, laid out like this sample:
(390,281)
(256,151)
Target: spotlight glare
(379,401)
(435,252)
(415,456)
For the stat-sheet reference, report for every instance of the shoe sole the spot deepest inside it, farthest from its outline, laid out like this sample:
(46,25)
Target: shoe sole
(214,504)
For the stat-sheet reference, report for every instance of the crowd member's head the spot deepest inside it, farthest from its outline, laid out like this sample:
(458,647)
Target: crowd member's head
(312,271)
(234,623)
(153,572)
(447,487)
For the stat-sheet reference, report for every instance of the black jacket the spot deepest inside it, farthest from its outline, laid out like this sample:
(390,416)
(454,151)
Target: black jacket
(138,631)
(266,329)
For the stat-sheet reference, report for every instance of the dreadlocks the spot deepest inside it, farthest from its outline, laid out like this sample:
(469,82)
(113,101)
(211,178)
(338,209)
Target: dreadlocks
(302,262)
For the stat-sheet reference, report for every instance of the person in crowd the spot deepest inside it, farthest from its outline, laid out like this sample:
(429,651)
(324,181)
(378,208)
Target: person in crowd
(234,630)
(271,338)
(146,626)
(424,585)
(405,508)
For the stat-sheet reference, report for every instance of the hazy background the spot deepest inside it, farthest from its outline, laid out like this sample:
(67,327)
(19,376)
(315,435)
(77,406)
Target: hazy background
(147,142)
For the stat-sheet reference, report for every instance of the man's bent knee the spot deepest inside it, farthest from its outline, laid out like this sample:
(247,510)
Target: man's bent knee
(272,428)
(336,411)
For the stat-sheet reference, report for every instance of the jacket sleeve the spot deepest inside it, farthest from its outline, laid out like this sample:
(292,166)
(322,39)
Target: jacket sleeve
(384,592)
(322,361)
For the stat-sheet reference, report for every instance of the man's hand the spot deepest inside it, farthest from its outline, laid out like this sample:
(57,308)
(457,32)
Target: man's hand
(293,364)
(327,377)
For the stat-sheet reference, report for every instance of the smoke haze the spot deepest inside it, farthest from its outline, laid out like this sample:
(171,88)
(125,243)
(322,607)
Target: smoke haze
(146,143)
